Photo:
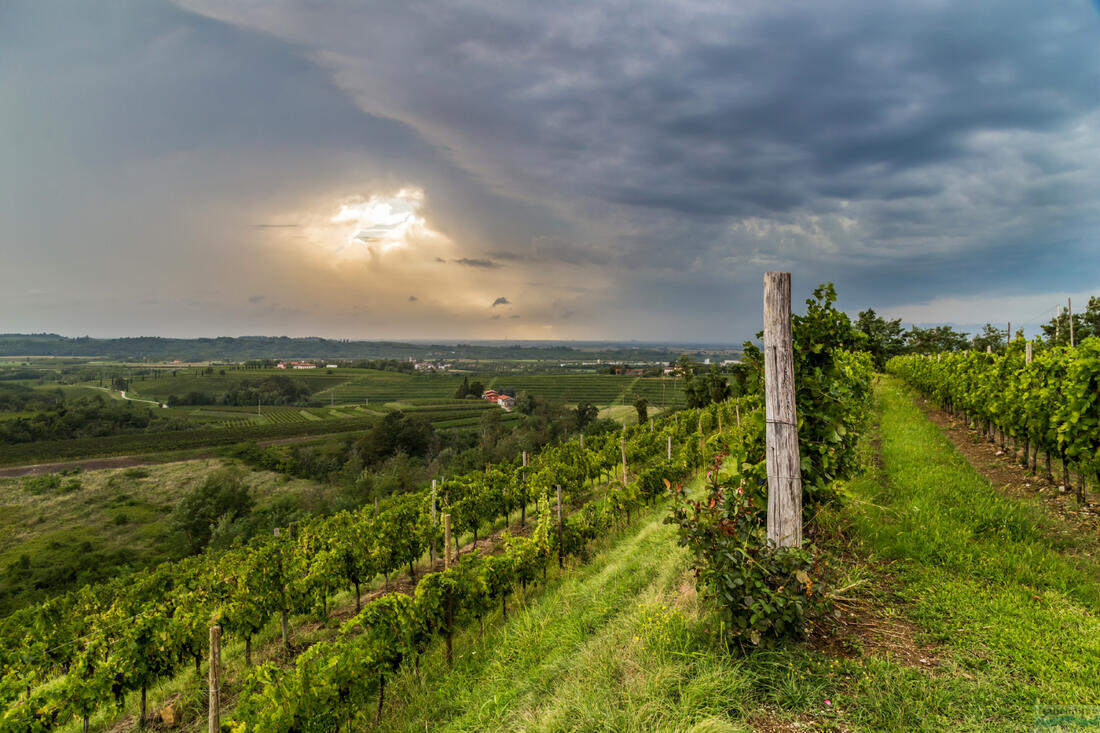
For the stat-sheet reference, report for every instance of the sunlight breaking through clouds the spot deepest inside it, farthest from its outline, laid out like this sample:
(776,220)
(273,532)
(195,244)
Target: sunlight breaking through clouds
(383,222)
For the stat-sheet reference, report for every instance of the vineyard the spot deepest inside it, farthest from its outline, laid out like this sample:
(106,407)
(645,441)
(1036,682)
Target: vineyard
(223,427)
(84,651)
(1047,403)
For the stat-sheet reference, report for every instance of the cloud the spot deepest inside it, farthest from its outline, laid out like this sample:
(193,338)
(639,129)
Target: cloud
(501,301)
(256,299)
(649,165)
(472,262)
(413,298)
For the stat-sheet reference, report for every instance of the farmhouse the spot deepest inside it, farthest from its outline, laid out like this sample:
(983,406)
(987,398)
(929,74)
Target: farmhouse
(490,395)
(506,402)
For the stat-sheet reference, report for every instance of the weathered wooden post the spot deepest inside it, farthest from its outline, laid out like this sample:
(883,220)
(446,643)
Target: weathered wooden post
(561,552)
(1027,353)
(431,547)
(622,447)
(214,717)
(781,435)
(523,500)
(670,449)
(446,541)
(1069,309)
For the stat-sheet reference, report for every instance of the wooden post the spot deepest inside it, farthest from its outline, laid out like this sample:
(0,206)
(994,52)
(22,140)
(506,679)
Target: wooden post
(737,409)
(431,548)
(622,447)
(781,435)
(1027,353)
(214,717)
(670,449)
(1069,309)
(561,550)
(523,501)
(446,541)
(582,441)
(1058,325)
(989,348)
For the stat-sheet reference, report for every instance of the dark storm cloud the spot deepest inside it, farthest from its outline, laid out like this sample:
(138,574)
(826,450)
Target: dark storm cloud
(476,262)
(728,136)
(655,157)
(501,301)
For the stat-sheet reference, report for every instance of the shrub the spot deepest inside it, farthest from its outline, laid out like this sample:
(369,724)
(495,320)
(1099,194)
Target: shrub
(41,484)
(762,593)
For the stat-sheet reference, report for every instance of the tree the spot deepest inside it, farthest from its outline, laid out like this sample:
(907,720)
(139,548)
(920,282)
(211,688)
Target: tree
(1085,324)
(490,428)
(701,391)
(585,413)
(222,495)
(991,337)
(641,405)
(935,340)
(885,339)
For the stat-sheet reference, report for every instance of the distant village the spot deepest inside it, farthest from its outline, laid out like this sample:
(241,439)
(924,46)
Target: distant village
(505,401)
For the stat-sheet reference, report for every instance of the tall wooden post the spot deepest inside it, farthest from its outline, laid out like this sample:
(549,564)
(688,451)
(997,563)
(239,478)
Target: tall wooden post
(561,550)
(523,501)
(431,547)
(214,717)
(446,541)
(1027,353)
(670,449)
(1069,309)
(582,441)
(781,435)
(622,447)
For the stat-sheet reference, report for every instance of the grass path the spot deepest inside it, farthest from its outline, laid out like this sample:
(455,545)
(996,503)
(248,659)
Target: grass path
(978,609)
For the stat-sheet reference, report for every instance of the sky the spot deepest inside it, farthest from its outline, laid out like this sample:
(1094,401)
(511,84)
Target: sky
(512,170)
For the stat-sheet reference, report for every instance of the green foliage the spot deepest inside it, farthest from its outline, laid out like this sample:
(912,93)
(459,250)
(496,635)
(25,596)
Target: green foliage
(934,340)
(885,339)
(641,406)
(991,338)
(1053,403)
(764,593)
(833,388)
(586,413)
(707,389)
(242,588)
(222,497)
(1085,324)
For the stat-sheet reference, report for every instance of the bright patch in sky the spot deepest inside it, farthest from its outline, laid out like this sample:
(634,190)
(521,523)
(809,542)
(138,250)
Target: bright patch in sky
(382,222)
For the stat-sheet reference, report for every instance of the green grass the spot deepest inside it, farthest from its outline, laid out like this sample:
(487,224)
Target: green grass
(1000,598)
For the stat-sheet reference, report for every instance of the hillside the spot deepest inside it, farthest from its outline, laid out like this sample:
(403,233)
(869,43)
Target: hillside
(963,620)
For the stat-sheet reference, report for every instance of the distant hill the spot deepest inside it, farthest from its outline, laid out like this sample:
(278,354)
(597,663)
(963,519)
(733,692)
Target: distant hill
(227,348)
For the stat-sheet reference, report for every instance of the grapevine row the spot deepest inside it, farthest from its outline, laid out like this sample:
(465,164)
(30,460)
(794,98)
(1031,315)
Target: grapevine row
(1051,404)
(69,656)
